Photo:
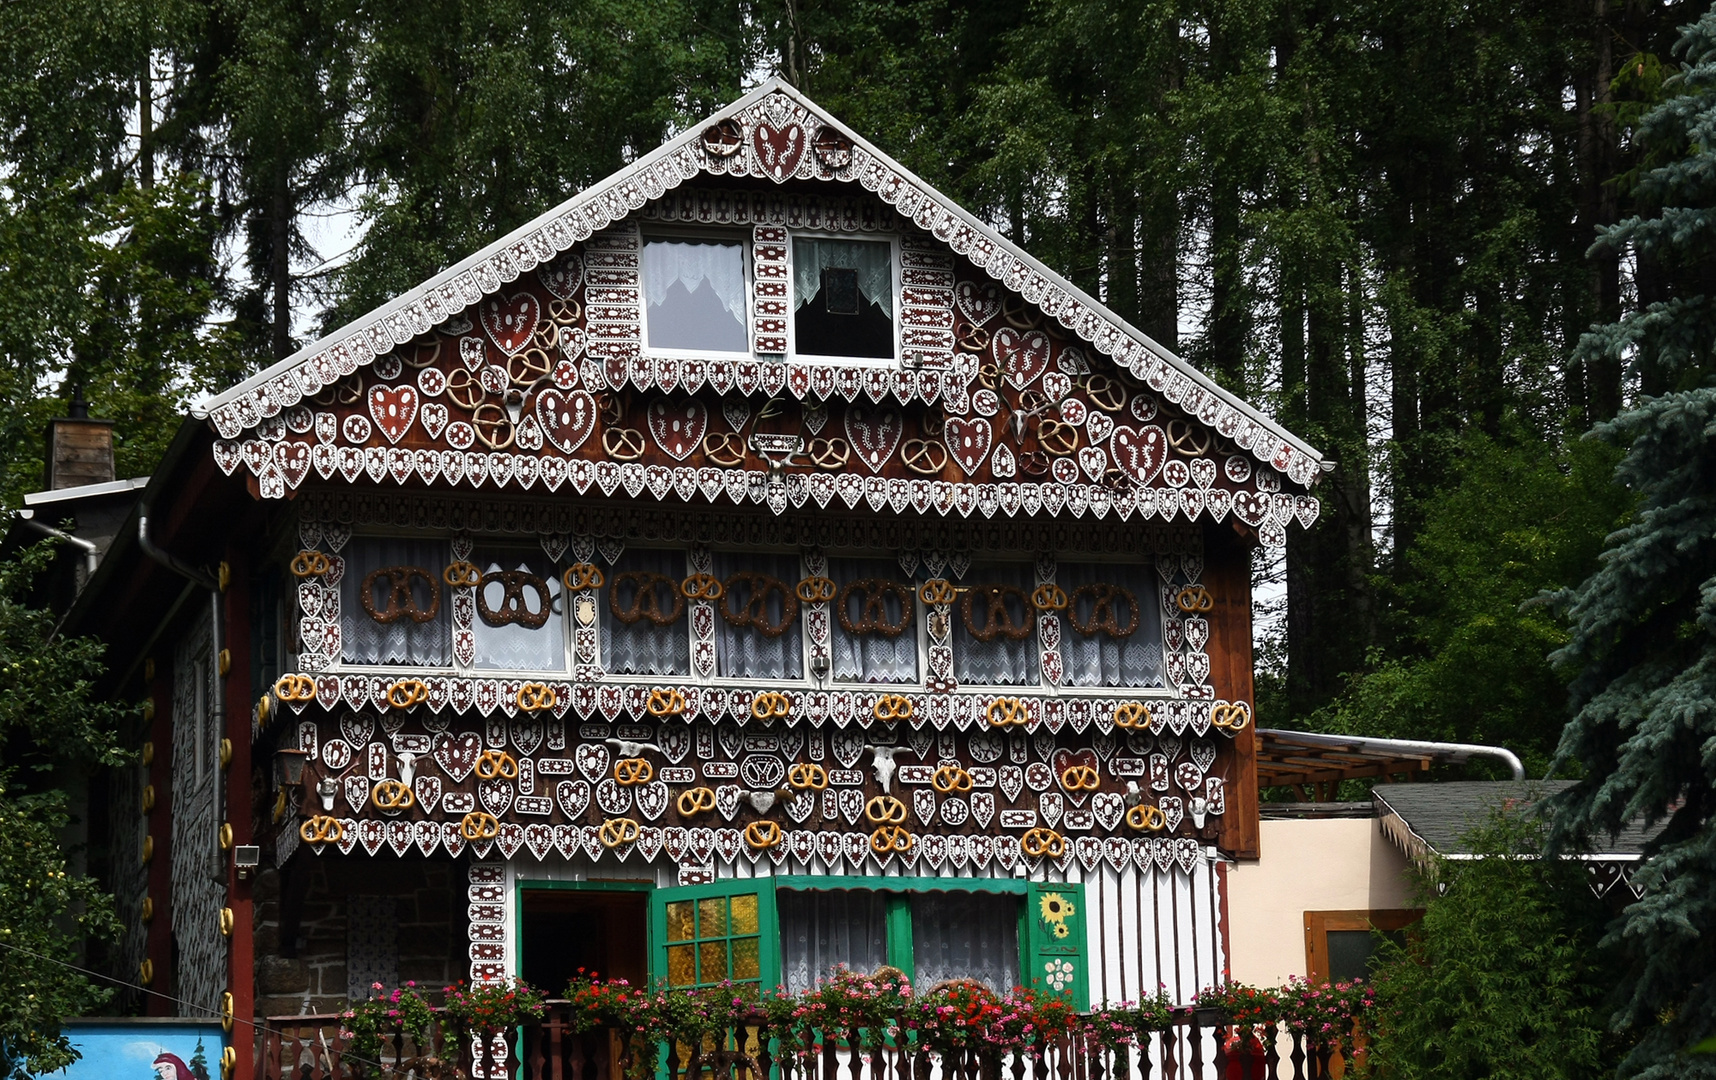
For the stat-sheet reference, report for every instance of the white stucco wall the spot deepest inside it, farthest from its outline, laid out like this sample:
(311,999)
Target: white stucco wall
(1338,864)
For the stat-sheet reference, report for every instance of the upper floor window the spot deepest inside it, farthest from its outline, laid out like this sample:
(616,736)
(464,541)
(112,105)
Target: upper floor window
(843,297)
(395,603)
(643,618)
(995,627)
(694,295)
(757,636)
(1111,633)
(518,625)
(875,632)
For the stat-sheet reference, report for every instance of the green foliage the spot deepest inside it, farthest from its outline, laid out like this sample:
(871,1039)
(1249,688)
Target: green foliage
(1501,979)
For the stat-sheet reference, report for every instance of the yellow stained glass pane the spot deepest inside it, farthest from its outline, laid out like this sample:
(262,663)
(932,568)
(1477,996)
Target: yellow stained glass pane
(746,964)
(745,914)
(679,921)
(681,965)
(712,957)
(712,917)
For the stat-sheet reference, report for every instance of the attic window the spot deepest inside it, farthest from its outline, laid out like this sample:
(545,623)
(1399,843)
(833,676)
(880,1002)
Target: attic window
(843,297)
(694,291)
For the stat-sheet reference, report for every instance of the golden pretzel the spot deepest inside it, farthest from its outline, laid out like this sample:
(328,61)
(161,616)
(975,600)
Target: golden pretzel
(623,444)
(770,705)
(493,763)
(972,339)
(1145,817)
(1231,718)
(617,831)
(830,454)
(630,772)
(462,574)
(666,703)
(762,835)
(322,829)
(1105,393)
(464,389)
(816,590)
(924,457)
(1049,597)
(407,692)
(477,825)
(697,800)
(1132,716)
(1057,437)
(701,587)
(493,426)
(537,697)
(885,810)
(1081,778)
(890,707)
(951,780)
(936,591)
(891,838)
(1194,599)
(295,688)
(1019,312)
(581,576)
(1043,841)
(807,776)
(392,795)
(724,448)
(1007,712)
(310,564)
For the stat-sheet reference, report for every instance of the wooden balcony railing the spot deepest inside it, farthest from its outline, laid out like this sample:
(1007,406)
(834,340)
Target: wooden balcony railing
(1200,1046)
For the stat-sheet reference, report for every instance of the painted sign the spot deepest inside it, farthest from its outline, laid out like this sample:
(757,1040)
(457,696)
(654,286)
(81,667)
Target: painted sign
(144,1049)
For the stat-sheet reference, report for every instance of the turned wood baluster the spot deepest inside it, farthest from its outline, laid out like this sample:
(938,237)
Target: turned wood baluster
(1171,1053)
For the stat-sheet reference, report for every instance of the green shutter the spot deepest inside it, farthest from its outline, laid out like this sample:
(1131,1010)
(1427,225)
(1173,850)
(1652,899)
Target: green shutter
(702,934)
(1054,942)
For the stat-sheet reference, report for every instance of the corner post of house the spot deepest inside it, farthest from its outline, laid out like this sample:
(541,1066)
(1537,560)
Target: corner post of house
(239,811)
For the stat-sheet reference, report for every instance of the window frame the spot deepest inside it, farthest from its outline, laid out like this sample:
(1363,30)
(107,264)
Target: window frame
(895,247)
(768,925)
(747,261)
(1319,923)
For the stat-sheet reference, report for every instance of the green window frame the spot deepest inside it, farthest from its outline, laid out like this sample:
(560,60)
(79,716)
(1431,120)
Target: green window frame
(702,935)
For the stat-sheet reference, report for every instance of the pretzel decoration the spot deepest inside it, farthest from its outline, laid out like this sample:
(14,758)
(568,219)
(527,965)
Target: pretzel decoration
(462,575)
(617,831)
(1146,818)
(478,825)
(348,391)
(533,364)
(890,708)
(755,612)
(493,426)
(1105,392)
(1230,717)
(1102,618)
(770,705)
(807,776)
(1007,712)
(969,338)
(873,615)
(1043,841)
(565,312)
(723,139)
(830,454)
(951,780)
(310,564)
(464,389)
(295,688)
(1194,600)
(724,448)
(322,829)
(623,444)
(646,601)
(697,800)
(891,838)
(816,590)
(1057,437)
(630,772)
(581,576)
(536,697)
(989,374)
(665,703)
(392,795)
(513,608)
(997,620)
(1033,463)
(701,587)
(937,591)
(762,835)
(1132,716)
(1081,778)
(1049,597)
(924,457)
(1188,440)
(407,692)
(401,600)
(885,810)
(1018,312)
(493,763)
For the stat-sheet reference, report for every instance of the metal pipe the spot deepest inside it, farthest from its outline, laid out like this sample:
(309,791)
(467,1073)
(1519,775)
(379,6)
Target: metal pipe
(1454,751)
(91,553)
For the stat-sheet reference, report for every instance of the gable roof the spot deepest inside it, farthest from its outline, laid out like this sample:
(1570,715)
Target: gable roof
(360,342)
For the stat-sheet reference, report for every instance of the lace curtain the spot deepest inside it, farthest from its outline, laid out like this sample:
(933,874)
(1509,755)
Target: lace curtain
(966,935)
(822,931)
(714,319)
(873,261)
(1103,659)
(364,640)
(873,658)
(1003,661)
(745,652)
(512,646)
(641,647)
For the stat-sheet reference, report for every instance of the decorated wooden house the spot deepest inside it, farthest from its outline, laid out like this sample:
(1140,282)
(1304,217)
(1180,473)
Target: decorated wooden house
(756,565)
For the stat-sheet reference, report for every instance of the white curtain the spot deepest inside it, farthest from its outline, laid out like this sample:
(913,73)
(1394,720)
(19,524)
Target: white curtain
(719,267)
(823,931)
(966,935)
(641,647)
(745,652)
(873,261)
(873,657)
(1103,659)
(1003,661)
(511,646)
(364,640)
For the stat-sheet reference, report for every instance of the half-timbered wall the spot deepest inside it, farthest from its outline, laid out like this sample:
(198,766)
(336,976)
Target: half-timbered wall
(201,966)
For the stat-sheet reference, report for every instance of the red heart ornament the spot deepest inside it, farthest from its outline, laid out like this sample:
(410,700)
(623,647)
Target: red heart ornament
(510,323)
(457,757)
(1065,759)
(1139,454)
(293,458)
(566,418)
(1022,357)
(979,302)
(393,408)
(778,149)
(874,434)
(677,427)
(968,441)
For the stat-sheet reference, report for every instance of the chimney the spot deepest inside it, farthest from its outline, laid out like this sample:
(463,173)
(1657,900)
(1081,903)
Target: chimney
(79,450)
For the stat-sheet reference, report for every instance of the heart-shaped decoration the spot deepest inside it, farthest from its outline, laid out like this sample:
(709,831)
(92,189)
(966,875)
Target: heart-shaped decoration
(677,428)
(968,441)
(592,760)
(1065,759)
(496,795)
(1056,386)
(874,435)
(1139,454)
(428,792)
(1051,804)
(574,798)
(778,149)
(294,461)
(1109,807)
(613,799)
(511,323)
(1203,472)
(1093,460)
(1012,781)
(566,418)
(1021,357)
(393,408)
(562,276)
(980,301)
(1099,426)
(458,756)
(727,798)
(434,418)
(652,799)
(1203,754)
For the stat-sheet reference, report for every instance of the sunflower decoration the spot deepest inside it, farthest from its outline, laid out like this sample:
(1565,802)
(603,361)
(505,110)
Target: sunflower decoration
(1056,910)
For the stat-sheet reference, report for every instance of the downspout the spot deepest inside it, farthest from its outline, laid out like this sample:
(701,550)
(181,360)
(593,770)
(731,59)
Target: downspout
(1411,746)
(91,554)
